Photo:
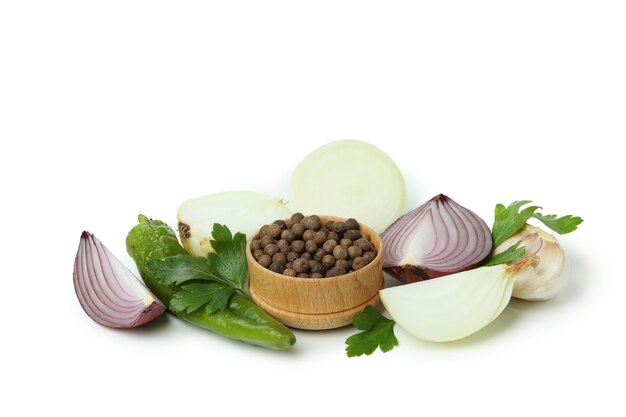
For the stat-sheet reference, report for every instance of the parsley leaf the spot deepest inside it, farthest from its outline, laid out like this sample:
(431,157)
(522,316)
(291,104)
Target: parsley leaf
(229,260)
(209,282)
(511,254)
(182,268)
(510,220)
(377,332)
(214,296)
(561,225)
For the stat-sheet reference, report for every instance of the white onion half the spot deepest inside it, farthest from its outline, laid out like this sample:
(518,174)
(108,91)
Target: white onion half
(451,307)
(241,211)
(349,178)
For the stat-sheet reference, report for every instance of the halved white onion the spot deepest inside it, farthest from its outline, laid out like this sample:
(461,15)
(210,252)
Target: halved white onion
(349,178)
(241,211)
(451,307)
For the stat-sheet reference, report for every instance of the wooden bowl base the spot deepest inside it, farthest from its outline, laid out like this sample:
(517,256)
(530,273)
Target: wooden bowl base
(313,321)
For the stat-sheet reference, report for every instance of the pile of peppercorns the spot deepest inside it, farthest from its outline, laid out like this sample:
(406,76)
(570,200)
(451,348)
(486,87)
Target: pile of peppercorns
(306,248)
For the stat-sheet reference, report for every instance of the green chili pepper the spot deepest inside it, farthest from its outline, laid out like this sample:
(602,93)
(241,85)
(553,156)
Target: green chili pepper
(242,319)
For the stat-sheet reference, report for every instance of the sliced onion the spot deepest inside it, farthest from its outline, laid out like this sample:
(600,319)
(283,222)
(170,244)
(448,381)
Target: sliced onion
(349,178)
(242,211)
(451,307)
(438,238)
(108,292)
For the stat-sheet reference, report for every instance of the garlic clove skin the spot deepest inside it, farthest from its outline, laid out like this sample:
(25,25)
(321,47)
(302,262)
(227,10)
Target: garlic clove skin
(550,270)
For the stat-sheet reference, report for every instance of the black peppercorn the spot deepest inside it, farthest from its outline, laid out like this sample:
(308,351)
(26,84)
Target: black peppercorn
(369,256)
(277,267)
(319,238)
(332,235)
(266,240)
(359,262)
(297,246)
(316,275)
(290,272)
(329,245)
(301,265)
(257,254)
(310,246)
(340,252)
(298,229)
(344,264)
(328,261)
(335,272)
(274,231)
(296,218)
(317,267)
(292,256)
(265,260)
(282,243)
(339,227)
(288,235)
(319,254)
(352,234)
(281,223)
(312,222)
(303,275)
(354,251)
(365,245)
(280,258)
(308,235)
(352,224)
(271,249)
(255,244)
(346,243)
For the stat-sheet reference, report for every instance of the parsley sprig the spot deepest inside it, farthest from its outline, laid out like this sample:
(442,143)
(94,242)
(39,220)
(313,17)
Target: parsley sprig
(511,219)
(377,332)
(206,282)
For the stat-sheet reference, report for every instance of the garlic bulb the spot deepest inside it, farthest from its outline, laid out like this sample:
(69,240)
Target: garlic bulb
(549,271)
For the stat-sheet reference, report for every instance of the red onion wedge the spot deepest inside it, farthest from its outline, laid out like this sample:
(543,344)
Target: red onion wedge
(438,238)
(108,292)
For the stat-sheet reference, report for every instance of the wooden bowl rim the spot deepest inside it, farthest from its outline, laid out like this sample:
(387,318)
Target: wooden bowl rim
(349,275)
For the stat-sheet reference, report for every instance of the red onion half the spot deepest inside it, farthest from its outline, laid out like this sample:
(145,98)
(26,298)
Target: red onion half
(438,238)
(108,292)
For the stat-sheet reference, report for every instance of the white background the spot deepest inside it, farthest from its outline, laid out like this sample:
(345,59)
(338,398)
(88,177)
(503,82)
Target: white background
(111,109)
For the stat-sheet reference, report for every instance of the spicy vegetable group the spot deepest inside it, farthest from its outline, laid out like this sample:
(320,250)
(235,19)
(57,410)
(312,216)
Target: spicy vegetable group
(459,274)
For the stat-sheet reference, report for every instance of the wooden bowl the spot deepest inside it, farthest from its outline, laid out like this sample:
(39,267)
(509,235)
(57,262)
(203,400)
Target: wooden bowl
(317,303)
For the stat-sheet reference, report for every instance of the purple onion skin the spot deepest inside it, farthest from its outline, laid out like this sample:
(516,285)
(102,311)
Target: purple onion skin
(411,273)
(415,273)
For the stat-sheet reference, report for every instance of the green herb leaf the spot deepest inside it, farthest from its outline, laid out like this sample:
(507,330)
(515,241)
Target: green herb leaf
(378,332)
(182,268)
(511,254)
(229,260)
(211,280)
(561,225)
(510,220)
(214,296)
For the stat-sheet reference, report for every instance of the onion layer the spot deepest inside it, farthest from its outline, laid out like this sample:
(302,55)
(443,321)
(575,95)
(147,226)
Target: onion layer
(242,211)
(438,238)
(349,178)
(452,307)
(108,292)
